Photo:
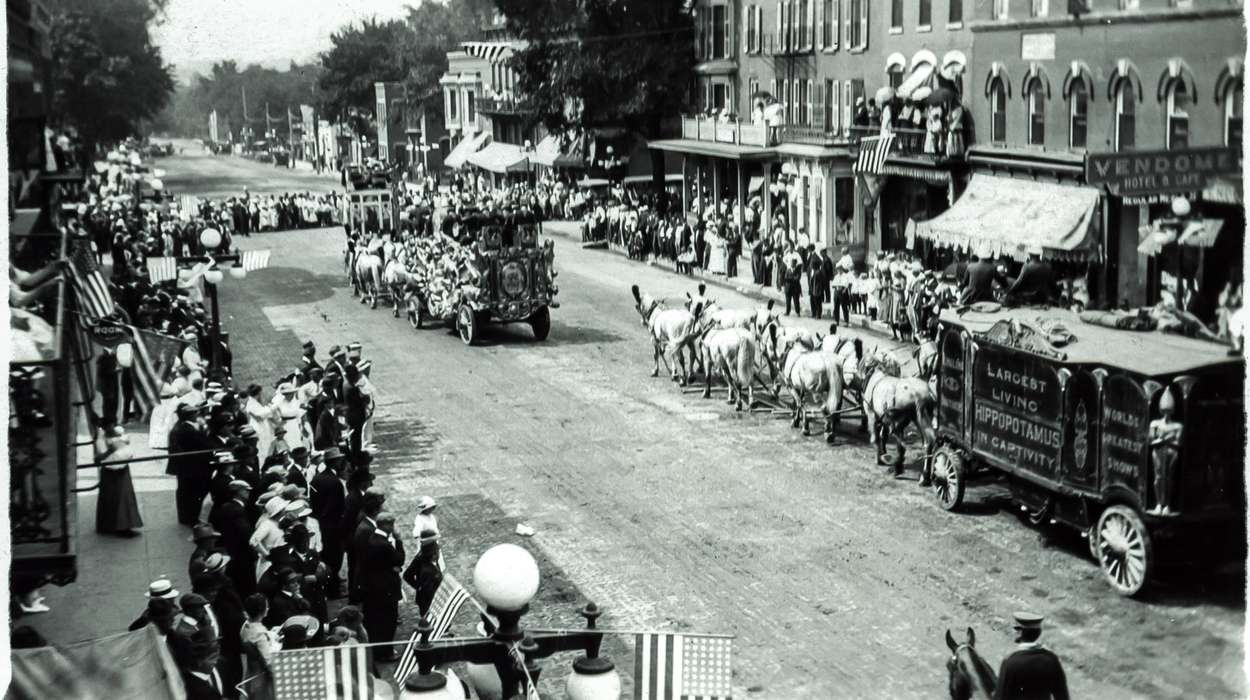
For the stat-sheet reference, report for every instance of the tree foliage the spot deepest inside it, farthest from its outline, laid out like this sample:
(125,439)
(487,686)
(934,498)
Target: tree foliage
(598,63)
(108,76)
(223,88)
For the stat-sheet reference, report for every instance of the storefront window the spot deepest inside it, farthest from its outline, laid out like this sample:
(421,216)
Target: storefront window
(1179,101)
(1233,115)
(1125,117)
(998,111)
(1079,115)
(1036,97)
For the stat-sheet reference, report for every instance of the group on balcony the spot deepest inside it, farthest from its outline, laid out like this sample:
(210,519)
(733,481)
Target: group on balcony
(928,120)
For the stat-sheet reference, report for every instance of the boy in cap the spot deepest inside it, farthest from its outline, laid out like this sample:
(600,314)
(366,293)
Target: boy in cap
(1031,672)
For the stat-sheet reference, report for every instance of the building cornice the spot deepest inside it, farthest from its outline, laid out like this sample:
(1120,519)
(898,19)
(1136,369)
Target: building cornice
(1104,19)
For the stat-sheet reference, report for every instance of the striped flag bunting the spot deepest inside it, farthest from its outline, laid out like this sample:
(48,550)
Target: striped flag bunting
(154,357)
(332,673)
(162,269)
(681,667)
(254,259)
(448,599)
(188,206)
(491,51)
(89,284)
(873,152)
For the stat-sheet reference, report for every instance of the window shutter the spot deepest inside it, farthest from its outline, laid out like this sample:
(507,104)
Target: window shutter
(810,39)
(818,115)
(847,106)
(863,24)
(772,88)
(818,28)
(810,98)
(836,20)
(746,29)
(781,23)
(835,106)
(729,32)
(846,31)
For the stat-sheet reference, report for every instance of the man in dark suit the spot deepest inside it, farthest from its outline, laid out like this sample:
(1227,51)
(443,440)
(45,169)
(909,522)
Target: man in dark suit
(380,566)
(817,285)
(979,281)
(309,358)
(423,573)
(194,472)
(329,503)
(366,524)
(236,526)
(1031,672)
(200,677)
(328,431)
(356,408)
(295,467)
(227,612)
(1035,285)
(288,600)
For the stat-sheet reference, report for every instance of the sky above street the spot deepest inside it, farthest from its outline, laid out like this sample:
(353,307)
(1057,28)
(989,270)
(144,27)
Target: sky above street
(197,33)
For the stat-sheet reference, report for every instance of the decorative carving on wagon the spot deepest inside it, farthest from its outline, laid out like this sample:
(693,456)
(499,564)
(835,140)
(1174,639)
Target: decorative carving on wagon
(1014,333)
(1165,447)
(1081,430)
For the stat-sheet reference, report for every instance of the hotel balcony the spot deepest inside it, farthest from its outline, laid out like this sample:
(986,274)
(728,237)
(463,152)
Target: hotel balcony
(908,143)
(733,132)
(502,106)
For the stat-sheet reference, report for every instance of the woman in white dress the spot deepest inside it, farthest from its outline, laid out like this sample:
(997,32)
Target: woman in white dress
(260,417)
(290,412)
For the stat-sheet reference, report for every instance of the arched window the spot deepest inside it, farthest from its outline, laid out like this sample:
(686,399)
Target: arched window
(998,111)
(1233,113)
(1078,115)
(1035,98)
(894,76)
(1125,117)
(1179,100)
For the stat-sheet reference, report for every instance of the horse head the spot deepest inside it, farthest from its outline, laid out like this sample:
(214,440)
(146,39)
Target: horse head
(644,304)
(969,675)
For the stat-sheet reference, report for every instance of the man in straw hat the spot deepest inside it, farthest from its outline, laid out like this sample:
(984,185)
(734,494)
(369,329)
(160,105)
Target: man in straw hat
(1031,672)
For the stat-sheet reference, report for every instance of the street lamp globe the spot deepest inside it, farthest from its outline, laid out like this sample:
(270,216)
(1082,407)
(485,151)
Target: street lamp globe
(427,686)
(210,238)
(593,679)
(213,276)
(1180,207)
(238,273)
(506,576)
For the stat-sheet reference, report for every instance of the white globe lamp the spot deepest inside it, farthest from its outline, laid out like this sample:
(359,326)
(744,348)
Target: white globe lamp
(213,276)
(210,238)
(184,274)
(125,355)
(593,679)
(237,272)
(1180,207)
(506,576)
(429,686)
(156,184)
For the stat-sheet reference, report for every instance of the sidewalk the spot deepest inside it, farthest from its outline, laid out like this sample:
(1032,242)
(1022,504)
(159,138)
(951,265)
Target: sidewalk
(741,284)
(114,572)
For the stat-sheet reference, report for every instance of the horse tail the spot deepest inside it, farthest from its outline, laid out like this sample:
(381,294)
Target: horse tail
(833,375)
(747,350)
(637,294)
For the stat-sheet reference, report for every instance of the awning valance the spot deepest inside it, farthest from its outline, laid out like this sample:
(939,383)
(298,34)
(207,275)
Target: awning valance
(468,145)
(920,75)
(1006,216)
(500,158)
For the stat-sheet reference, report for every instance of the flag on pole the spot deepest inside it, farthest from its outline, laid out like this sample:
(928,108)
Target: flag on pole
(254,259)
(153,358)
(162,269)
(89,284)
(680,667)
(331,673)
(447,601)
(872,154)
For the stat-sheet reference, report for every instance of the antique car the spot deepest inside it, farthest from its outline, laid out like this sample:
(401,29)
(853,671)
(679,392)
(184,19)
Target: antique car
(515,279)
(1132,437)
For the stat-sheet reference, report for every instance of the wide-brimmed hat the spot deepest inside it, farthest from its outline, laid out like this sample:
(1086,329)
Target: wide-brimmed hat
(275,505)
(216,562)
(286,388)
(162,588)
(203,532)
(299,508)
(426,503)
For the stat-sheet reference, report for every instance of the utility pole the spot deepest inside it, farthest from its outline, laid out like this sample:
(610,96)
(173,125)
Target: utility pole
(268,120)
(245,104)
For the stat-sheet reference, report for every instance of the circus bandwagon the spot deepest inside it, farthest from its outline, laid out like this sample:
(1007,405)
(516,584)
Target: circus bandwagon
(1129,436)
(494,269)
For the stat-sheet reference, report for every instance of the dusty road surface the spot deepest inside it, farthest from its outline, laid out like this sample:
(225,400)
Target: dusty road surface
(677,513)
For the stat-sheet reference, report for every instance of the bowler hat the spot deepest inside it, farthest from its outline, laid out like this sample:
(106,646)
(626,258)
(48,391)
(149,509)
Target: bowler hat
(203,532)
(332,453)
(216,562)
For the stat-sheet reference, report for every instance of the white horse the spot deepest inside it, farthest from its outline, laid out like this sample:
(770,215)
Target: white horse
(673,331)
(368,268)
(395,278)
(891,402)
(733,352)
(714,316)
(811,375)
(776,339)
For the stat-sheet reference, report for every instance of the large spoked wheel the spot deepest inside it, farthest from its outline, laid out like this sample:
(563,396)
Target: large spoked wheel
(948,477)
(541,323)
(1124,550)
(467,324)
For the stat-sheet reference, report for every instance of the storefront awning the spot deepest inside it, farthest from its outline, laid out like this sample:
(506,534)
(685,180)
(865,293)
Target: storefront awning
(919,76)
(549,152)
(500,158)
(670,178)
(1006,216)
(468,145)
(714,149)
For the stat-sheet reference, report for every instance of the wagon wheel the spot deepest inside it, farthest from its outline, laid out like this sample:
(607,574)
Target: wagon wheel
(541,323)
(467,324)
(948,473)
(1125,551)
(416,316)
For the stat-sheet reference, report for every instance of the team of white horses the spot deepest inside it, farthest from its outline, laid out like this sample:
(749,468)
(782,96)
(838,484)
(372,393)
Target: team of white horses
(829,373)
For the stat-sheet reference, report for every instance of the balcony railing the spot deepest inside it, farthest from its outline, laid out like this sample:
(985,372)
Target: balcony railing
(910,143)
(792,44)
(501,106)
(734,132)
(817,135)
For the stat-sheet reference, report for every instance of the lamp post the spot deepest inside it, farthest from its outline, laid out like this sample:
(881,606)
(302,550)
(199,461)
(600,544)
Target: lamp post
(610,163)
(425,149)
(506,577)
(211,239)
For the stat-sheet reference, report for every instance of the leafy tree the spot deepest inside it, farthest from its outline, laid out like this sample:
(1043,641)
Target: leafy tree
(108,76)
(222,89)
(362,55)
(604,63)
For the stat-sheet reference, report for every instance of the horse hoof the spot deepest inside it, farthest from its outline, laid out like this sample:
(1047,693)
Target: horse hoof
(829,439)
(707,394)
(656,373)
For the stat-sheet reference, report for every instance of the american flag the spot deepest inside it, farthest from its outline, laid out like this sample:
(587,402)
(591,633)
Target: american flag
(872,154)
(188,206)
(89,284)
(681,667)
(254,259)
(162,269)
(447,601)
(154,356)
(331,673)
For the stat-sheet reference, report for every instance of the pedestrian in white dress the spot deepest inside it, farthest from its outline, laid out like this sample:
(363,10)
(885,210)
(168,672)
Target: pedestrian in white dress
(260,417)
(289,411)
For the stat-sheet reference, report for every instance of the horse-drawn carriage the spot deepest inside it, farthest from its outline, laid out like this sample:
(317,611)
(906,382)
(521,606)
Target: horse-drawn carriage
(1134,438)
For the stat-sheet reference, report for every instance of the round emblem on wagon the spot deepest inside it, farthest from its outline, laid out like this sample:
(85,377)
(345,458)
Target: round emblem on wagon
(513,279)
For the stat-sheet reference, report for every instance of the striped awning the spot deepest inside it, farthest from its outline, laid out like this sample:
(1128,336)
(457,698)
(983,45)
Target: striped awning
(500,158)
(492,51)
(467,146)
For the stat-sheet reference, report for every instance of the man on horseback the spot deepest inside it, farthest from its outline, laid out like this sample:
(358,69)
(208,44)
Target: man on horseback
(1031,672)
